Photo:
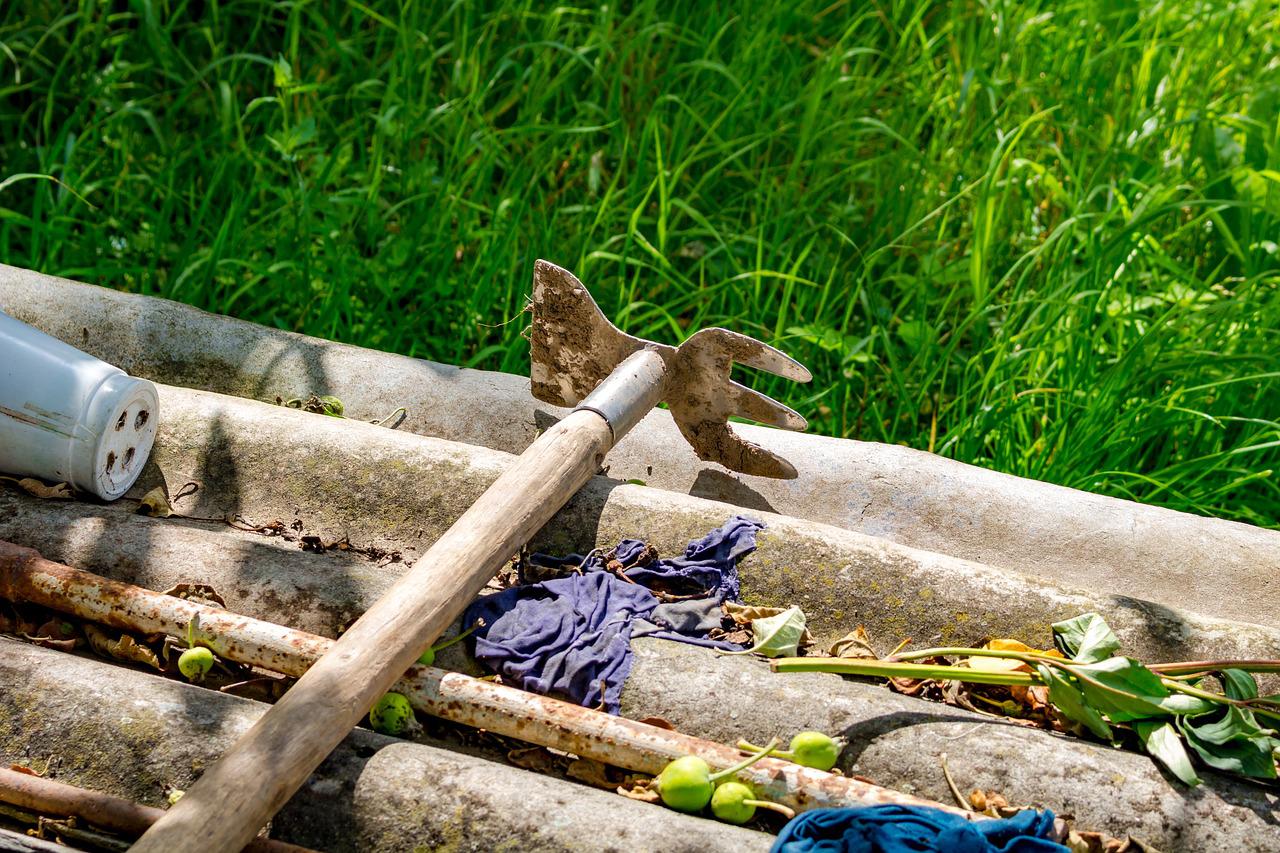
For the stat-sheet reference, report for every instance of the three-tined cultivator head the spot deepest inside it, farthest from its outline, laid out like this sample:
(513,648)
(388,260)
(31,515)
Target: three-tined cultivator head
(575,347)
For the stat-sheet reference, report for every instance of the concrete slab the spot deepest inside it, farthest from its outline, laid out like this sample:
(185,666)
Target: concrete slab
(1062,535)
(399,491)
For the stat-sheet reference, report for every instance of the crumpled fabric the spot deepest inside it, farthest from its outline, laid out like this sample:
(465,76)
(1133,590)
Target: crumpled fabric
(914,829)
(571,637)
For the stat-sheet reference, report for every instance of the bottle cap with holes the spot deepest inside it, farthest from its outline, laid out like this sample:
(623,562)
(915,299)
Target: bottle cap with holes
(68,417)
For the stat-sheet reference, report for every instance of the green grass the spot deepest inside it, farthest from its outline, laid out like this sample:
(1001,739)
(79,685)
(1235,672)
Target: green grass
(1034,236)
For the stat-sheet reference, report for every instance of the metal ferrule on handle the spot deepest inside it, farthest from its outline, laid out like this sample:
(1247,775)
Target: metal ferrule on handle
(629,392)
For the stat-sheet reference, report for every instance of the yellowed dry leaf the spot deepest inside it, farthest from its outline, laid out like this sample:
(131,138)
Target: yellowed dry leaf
(155,504)
(125,648)
(640,791)
(37,489)
(855,644)
(1005,664)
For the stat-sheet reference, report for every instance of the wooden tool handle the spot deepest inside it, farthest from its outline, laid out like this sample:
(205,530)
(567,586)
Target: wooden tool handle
(225,808)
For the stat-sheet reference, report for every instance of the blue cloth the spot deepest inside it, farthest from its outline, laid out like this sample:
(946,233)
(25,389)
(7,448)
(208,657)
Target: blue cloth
(571,637)
(914,829)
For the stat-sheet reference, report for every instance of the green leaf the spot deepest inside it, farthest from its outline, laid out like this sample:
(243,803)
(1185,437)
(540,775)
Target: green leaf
(1182,704)
(1122,688)
(1161,741)
(1064,693)
(917,335)
(283,75)
(1239,684)
(1086,638)
(776,636)
(1232,742)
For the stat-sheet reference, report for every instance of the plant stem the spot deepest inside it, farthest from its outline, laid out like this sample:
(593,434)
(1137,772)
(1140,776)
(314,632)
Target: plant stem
(785,755)
(1198,666)
(459,637)
(955,651)
(897,669)
(746,762)
(771,806)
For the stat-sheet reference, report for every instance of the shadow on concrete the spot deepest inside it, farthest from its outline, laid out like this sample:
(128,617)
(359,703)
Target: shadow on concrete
(720,486)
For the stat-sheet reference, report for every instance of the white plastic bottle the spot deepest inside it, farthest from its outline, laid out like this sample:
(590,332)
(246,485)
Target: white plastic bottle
(68,417)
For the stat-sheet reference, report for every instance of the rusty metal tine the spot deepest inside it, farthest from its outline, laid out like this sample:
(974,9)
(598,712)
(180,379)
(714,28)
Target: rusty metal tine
(714,441)
(764,409)
(750,352)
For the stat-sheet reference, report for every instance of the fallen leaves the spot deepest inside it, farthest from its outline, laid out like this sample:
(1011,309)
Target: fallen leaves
(37,489)
(639,789)
(855,644)
(124,647)
(536,758)
(55,633)
(155,504)
(594,773)
(777,635)
(201,593)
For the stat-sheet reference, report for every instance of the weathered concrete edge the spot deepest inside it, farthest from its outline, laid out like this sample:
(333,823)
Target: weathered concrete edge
(911,497)
(132,734)
(343,478)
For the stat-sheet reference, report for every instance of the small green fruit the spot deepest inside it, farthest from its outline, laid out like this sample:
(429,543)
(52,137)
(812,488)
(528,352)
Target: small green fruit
(808,749)
(392,715)
(816,750)
(685,784)
(428,657)
(732,803)
(195,663)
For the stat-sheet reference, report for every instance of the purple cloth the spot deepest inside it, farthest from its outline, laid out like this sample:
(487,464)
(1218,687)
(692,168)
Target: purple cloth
(571,637)
(914,829)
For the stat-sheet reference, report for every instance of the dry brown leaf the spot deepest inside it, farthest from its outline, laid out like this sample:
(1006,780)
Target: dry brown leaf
(534,758)
(659,722)
(1035,698)
(200,592)
(55,634)
(745,614)
(594,773)
(1097,842)
(126,648)
(640,791)
(50,643)
(855,644)
(155,504)
(984,800)
(37,489)
(13,620)
(56,629)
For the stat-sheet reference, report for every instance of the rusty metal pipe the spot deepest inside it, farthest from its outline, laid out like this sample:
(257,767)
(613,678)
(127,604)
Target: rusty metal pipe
(26,576)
